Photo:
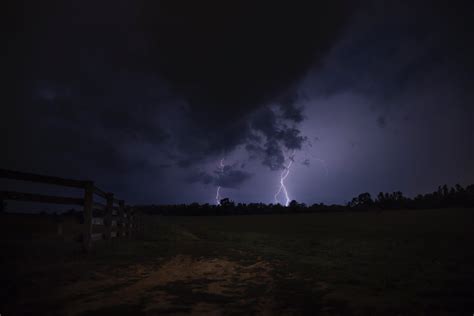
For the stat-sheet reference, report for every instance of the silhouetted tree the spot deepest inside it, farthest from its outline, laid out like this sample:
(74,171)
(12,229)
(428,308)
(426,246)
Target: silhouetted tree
(444,196)
(293,204)
(225,202)
(363,201)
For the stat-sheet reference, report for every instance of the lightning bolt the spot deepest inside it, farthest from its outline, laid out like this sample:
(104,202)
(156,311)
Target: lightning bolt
(218,192)
(282,188)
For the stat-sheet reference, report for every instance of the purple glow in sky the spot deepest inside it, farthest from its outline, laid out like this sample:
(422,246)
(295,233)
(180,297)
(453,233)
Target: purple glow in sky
(380,100)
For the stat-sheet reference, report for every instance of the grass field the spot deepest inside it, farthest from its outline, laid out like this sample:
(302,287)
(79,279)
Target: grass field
(390,263)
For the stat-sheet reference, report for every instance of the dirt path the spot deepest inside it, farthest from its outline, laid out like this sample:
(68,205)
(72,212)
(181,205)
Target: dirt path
(180,285)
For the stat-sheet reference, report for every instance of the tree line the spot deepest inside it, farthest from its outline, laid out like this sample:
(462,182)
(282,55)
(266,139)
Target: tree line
(443,197)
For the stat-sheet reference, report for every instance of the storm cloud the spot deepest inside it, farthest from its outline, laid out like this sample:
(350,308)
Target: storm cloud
(146,97)
(230,177)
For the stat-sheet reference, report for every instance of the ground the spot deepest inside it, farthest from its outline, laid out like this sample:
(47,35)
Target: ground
(391,263)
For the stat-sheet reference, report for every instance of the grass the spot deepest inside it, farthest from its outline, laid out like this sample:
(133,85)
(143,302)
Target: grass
(397,262)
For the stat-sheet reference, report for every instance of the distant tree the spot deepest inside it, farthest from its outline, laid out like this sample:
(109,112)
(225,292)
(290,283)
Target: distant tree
(293,204)
(225,202)
(380,197)
(444,196)
(445,191)
(353,203)
(469,196)
(440,191)
(381,201)
(398,196)
(459,188)
(365,199)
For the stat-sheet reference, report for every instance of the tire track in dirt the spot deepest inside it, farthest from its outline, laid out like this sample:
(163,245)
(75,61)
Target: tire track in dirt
(181,284)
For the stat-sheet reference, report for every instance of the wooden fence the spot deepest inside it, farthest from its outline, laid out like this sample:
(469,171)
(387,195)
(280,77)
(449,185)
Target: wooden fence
(112,217)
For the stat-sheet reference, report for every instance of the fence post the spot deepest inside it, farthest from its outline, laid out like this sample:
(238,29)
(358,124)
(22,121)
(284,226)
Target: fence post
(88,203)
(141,227)
(125,221)
(137,224)
(131,222)
(108,215)
(121,218)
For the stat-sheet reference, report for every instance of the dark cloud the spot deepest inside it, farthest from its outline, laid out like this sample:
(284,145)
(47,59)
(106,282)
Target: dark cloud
(273,157)
(291,138)
(394,93)
(144,92)
(137,127)
(233,179)
(392,48)
(290,110)
(195,144)
(230,177)
(265,121)
(279,139)
(229,60)
(114,68)
(201,177)
(381,121)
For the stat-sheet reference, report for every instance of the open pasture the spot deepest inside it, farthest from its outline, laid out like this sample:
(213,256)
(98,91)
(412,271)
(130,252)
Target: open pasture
(396,262)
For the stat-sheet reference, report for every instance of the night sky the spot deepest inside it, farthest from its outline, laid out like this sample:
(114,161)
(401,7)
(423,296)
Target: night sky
(147,97)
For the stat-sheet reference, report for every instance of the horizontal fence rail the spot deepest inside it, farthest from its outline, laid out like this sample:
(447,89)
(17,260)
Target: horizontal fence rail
(115,219)
(31,177)
(40,198)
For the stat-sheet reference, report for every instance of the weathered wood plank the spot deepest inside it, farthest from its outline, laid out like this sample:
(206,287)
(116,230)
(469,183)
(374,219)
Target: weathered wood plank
(121,219)
(109,215)
(88,203)
(96,236)
(123,224)
(99,206)
(97,221)
(100,193)
(40,198)
(24,176)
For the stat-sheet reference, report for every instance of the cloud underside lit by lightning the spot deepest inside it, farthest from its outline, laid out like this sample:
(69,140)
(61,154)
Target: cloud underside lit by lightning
(282,188)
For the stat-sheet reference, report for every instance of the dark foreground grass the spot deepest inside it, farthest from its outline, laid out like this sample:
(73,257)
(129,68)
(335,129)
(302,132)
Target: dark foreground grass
(398,262)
